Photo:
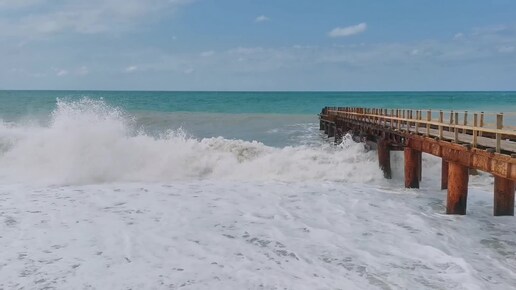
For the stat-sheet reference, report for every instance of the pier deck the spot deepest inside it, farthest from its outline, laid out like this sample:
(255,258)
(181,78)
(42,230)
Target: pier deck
(463,141)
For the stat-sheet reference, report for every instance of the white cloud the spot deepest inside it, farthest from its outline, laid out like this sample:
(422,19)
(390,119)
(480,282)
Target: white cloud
(245,50)
(459,35)
(130,69)
(207,53)
(261,18)
(348,31)
(86,17)
(62,73)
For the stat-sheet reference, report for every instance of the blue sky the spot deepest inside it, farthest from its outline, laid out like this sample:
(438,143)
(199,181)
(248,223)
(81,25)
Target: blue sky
(258,45)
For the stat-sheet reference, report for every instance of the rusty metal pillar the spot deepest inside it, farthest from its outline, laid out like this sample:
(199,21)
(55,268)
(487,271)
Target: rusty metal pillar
(384,157)
(503,196)
(331,130)
(444,174)
(420,167)
(458,177)
(412,167)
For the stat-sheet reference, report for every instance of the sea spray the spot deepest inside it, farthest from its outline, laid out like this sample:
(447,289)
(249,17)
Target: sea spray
(88,141)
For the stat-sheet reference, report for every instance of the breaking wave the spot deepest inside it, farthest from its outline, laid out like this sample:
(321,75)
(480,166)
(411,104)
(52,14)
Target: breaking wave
(88,141)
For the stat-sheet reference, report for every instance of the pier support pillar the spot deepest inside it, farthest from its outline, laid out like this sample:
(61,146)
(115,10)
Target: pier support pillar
(384,158)
(444,174)
(458,177)
(412,165)
(331,130)
(326,127)
(503,196)
(420,167)
(321,125)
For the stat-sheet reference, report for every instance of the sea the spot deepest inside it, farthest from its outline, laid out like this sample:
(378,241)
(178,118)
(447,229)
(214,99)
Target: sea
(232,190)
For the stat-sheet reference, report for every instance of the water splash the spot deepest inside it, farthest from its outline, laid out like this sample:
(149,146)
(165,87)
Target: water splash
(88,141)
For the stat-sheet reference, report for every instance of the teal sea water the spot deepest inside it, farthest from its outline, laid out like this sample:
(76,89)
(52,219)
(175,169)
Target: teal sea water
(274,118)
(15,103)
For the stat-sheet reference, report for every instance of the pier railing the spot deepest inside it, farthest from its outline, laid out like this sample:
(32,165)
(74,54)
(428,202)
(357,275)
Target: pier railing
(477,128)
(464,141)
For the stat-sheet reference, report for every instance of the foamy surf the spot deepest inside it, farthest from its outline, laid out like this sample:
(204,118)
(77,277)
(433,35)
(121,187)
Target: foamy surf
(90,199)
(89,142)
(249,235)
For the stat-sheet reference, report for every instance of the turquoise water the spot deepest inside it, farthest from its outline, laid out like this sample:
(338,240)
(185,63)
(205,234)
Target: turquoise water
(274,118)
(29,102)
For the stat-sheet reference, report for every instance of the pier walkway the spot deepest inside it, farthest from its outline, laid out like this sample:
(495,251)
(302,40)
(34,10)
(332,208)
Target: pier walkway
(465,142)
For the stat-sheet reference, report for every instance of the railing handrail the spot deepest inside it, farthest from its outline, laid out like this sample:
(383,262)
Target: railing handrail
(405,117)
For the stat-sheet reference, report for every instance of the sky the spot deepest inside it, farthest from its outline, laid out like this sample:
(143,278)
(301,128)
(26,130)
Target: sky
(258,45)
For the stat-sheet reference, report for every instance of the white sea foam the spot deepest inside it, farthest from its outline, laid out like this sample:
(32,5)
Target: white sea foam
(90,142)
(249,235)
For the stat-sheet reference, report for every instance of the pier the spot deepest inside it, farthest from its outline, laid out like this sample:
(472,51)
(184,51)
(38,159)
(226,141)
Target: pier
(466,142)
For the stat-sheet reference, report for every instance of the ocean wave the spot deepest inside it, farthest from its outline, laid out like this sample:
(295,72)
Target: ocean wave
(88,141)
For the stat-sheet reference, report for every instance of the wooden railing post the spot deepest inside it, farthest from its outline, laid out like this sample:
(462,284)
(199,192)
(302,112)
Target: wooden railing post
(499,126)
(398,122)
(465,121)
(386,114)
(404,119)
(417,121)
(441,116)
(475,131)
(428,119)
(481,124)
(456,129)
(409,122)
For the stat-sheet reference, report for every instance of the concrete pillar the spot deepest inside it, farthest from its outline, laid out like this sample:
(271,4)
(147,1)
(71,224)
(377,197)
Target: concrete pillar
(384,158)
(412,167)
(444,174)
(458,177)
(503,196)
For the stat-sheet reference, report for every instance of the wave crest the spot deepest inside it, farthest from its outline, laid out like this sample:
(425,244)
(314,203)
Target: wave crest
(88,141)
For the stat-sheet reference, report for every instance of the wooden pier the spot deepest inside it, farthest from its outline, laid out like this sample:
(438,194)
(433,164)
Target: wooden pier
(465,141)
